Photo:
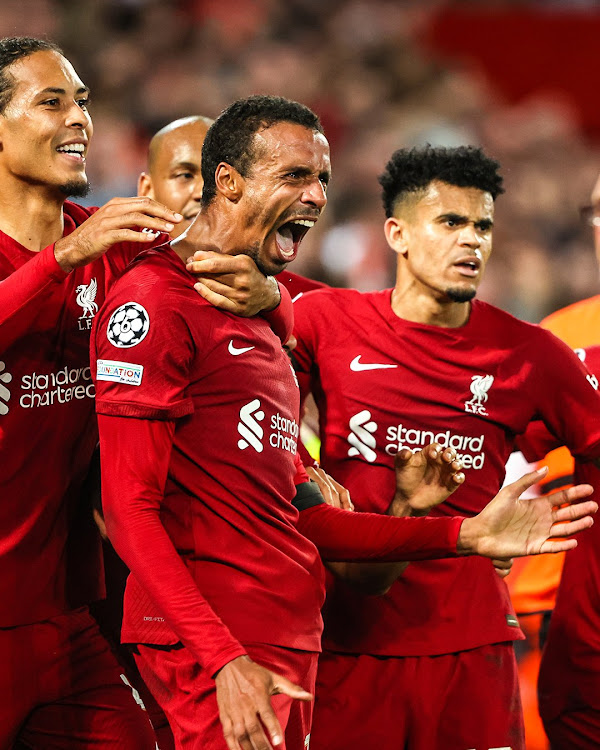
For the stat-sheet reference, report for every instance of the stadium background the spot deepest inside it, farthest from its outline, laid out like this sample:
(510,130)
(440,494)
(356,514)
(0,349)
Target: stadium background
(517,77)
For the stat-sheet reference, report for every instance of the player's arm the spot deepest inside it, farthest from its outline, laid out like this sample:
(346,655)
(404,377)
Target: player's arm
(119,220)
(424,479)
(507,527)
(135,456)
(235,284)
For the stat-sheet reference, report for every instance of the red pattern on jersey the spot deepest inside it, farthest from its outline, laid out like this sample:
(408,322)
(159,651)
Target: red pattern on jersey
(381,383)
(49,549)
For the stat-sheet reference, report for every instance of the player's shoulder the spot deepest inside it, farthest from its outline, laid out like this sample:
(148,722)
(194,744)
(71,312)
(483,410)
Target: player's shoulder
(298,285)
(332,297)
(502,323)
(157,277)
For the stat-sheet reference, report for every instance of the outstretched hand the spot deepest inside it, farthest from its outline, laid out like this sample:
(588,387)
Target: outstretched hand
(425,479)
(244,690)
(333,492)
(511,526)
(233,283)
(120,220)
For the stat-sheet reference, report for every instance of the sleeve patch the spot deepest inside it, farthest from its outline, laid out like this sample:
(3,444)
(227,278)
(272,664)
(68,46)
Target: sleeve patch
(119,372)
(128,325)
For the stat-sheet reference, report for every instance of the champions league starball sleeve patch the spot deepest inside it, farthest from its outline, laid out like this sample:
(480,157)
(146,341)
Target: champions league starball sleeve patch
(128,325)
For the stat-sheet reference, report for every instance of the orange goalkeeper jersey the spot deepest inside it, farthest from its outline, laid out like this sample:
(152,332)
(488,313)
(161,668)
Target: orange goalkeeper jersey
(534,580)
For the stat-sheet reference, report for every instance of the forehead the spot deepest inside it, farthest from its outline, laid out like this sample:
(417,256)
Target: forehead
(42,70)
(442,198)
(288,145)
(183,144)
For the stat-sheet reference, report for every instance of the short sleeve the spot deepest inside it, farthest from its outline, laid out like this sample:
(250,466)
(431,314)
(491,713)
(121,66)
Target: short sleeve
(142,353)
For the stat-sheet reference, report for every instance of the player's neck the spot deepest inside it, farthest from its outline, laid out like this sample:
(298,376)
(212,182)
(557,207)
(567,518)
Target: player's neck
(211,230)
(31,217)
(418,306)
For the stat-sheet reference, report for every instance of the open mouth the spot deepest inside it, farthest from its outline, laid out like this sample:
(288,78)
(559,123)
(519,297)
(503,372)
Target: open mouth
(468,267)
(74,150)
(289,236)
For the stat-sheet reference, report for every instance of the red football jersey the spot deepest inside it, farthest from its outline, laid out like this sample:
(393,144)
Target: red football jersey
(49,548)
(569,677)
(298,285)
(382,383)
(163,353)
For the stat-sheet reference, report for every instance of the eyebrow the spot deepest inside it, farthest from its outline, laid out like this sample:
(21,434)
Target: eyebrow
(52,90)
(186,165)
(459,219)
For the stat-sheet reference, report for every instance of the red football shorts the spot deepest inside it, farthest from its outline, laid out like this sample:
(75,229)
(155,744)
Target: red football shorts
(469,700)
(575,730)
(187,694)
(61,689)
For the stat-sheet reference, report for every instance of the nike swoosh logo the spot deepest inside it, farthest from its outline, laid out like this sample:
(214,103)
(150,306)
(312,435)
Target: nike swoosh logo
(357,366)
(236,351)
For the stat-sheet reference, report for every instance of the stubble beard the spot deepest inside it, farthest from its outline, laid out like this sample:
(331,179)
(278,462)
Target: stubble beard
(254,253)
(458,294)
(75,188)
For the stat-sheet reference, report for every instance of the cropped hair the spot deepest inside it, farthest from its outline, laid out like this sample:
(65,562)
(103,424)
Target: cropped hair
(412,170)
(230,138)
(13,49)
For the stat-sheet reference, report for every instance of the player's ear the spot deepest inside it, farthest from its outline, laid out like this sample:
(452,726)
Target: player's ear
(144,187)
(229,182)
(396,234)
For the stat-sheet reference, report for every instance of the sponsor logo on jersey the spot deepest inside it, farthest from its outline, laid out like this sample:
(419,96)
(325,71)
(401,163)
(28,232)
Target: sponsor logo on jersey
(249,428)
(469,449)
(68,384)
(86,296)
(236,351)
(357,366)
(480,385)
(119,372)
(128,325)
(5,378)
(283,431)
(362,436)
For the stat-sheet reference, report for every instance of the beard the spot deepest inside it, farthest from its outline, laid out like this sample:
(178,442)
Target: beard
(75,188)
(271,269)
(457,294)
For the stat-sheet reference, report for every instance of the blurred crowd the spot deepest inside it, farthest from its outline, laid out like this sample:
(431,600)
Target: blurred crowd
(359,64)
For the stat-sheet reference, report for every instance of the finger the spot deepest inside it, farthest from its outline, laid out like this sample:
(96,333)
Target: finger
(146,206)
(552,547)
(432,451)
(217,300)
(571,527)
(343,493)
(573,512)
(228,734)
(458,478)
(225,289)
(516,489)
(283,686)
(328,491)
(272,725)
(218,264)
(570,495)
(449,455)
(403,457)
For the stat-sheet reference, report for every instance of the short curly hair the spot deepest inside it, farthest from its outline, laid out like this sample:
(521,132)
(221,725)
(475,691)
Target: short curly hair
(13,49)
(412,170)
(230,138)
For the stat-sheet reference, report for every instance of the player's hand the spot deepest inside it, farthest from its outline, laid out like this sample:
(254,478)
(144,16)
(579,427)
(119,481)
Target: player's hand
(425,479)
(503,567)
(511,526)
(244,691)
(333,492)
(233,283)
(119,220)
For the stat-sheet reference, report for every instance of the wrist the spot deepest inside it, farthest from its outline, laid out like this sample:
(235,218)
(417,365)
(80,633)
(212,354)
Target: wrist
(64,256)
(469,538)
(274,294)
(403,507)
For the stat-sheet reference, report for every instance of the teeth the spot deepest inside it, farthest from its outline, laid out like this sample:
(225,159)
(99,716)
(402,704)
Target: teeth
(77,148)
(304,223)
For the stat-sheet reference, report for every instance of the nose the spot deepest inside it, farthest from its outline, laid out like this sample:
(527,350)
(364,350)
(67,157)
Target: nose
(469,236)
(76,117)
(315,194)
(197,188)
